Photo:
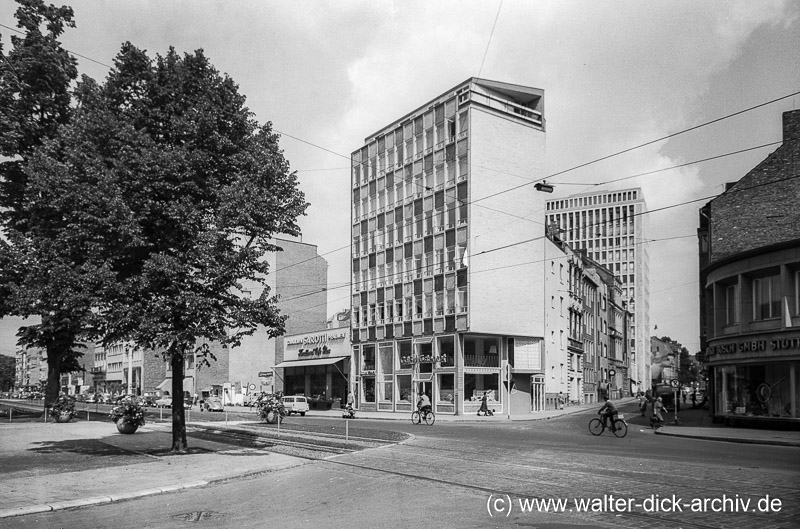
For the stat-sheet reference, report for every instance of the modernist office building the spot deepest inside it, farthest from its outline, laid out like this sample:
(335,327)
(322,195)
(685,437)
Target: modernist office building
(750,291)
(611,228)
(447,295)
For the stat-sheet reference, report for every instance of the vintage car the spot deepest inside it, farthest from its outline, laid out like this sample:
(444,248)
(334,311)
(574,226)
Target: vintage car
(295,404)
(213,403)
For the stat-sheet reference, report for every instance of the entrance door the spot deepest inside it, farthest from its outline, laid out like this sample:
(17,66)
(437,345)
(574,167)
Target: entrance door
(537,392)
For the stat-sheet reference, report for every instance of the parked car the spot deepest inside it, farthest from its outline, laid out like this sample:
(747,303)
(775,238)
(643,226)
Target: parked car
(164,402)
(213,404)
(295,404)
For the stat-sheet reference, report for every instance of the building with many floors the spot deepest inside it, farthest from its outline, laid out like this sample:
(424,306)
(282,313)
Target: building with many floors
(455,294)
(611,227)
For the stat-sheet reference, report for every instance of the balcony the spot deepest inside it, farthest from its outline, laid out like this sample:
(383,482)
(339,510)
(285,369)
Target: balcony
(482,360)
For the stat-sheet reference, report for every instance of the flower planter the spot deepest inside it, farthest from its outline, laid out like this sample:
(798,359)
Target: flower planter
(126,427)
(63,416)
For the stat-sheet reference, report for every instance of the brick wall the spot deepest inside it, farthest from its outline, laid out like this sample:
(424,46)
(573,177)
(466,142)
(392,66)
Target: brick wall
(758,210)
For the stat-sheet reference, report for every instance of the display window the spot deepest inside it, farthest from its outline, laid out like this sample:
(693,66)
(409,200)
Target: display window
(760,390)
(445,386)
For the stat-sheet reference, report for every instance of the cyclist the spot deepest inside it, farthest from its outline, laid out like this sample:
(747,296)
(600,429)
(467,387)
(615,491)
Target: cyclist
(424,404)
(608,410)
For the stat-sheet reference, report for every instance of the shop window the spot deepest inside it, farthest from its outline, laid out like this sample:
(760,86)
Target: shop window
(369,389)
(475,385)
(386,358)
(445,393)
(447,351)
(404,353)
(368,357)
(404,389)
(756,391)
(766,297)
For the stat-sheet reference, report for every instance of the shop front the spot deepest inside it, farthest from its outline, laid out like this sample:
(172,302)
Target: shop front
(317,365)
(756,382)
(455,371)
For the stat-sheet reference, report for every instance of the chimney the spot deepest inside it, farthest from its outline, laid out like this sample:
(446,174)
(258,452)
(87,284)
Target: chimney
(791,126)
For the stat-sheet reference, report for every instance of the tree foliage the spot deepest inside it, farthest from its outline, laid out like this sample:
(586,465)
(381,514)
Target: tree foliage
(180,194)
(142,213)
(40,273)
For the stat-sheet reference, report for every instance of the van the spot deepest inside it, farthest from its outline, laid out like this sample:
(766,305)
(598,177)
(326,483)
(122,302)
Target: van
(295,404)
(666,392)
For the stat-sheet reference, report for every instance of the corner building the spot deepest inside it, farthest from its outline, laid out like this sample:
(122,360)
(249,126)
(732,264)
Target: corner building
(443,284)
(749,253)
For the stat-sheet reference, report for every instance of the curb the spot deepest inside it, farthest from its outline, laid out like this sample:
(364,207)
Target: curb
(99,500)
(773,442)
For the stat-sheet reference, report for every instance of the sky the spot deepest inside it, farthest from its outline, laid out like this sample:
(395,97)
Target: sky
(616,75)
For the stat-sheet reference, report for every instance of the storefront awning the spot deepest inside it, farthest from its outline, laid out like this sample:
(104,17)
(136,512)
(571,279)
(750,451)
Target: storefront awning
(165,384)
(311,362)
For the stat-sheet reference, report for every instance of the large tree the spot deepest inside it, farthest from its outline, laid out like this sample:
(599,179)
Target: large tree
(41,274)
(180,193)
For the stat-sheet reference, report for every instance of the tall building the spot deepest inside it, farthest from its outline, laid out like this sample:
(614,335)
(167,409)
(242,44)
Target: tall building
(749,245)
(611,227)
(447,281)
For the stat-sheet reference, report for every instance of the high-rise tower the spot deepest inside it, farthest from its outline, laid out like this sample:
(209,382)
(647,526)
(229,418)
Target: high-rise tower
(444,286)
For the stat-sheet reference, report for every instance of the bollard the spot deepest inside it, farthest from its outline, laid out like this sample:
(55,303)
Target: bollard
(87,414)
(279,424)
(10,411)
(346,431)
(226,418)
(161,418)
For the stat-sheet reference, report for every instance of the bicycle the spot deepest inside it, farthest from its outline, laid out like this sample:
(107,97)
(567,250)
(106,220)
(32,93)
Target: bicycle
(425,415)
(597,426)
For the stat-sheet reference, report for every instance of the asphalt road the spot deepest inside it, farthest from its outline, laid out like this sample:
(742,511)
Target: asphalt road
(481,475)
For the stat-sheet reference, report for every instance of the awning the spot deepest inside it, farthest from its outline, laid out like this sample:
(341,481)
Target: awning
(311,362)
(164,385)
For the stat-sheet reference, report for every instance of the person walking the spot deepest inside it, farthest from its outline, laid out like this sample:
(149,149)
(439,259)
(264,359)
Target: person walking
(658,418)
(484,404)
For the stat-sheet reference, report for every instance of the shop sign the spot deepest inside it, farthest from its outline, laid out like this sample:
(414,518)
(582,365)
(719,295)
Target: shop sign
(754,346)
(317,351)
(422,359)
(317,339)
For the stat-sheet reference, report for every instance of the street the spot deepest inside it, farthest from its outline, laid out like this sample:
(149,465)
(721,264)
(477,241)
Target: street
(484,475)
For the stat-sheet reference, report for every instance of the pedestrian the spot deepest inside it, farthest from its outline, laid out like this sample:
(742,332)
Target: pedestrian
(484,404)
(642,403)
(684,397)
(657,418)
(561,400)
(694,399)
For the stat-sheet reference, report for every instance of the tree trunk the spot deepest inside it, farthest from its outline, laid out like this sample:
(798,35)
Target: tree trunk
(53,388)
(178,414)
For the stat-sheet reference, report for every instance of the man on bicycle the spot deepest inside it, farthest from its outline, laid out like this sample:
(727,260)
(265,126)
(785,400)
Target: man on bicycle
(608,410)
(424,403)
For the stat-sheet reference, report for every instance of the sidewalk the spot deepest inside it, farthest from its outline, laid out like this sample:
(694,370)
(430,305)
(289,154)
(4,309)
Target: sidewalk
(45,467)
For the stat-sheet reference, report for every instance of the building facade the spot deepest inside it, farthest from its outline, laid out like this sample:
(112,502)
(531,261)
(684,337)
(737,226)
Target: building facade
(298,276)
(749,244)
(447,299)
(317,365)
(611,227)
